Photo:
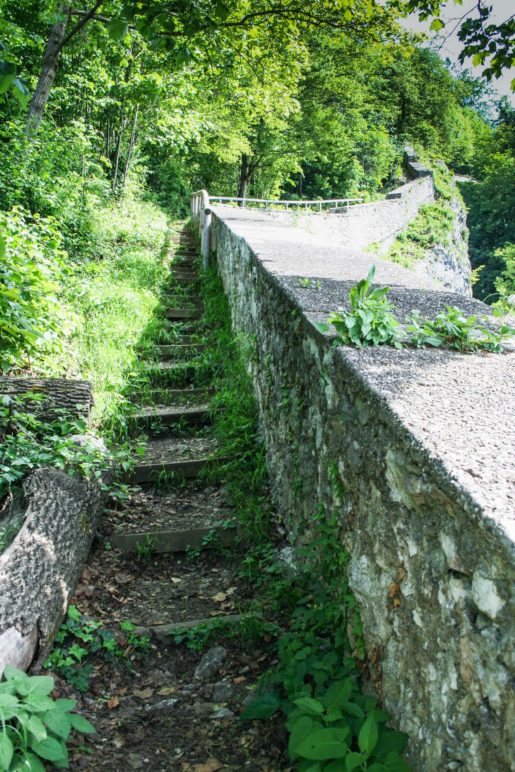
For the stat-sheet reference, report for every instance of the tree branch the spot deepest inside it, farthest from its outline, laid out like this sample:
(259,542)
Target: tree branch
(87,16)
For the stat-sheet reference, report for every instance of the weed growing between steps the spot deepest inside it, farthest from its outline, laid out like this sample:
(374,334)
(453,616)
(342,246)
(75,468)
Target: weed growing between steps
(80,638)
(308,609)
(234,414)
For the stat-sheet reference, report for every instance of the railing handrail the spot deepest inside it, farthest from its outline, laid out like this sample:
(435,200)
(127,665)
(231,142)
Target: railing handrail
(293,202)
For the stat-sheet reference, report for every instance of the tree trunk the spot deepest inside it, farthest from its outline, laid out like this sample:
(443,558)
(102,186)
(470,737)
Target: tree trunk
(245,172)
(131,146)
(41,567)
(49,69)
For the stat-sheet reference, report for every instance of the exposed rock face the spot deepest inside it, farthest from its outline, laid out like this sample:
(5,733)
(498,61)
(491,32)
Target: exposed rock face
(449,263)
(413,451)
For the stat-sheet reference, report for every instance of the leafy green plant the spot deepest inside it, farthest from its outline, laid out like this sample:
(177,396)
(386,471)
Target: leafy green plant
(145,549)
(316,683)
(34,727)
(32,316)
(79,638)
(28,441)
(452,329)
(370,322)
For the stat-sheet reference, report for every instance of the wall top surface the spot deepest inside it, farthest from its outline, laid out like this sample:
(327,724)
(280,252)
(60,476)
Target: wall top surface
(458,408)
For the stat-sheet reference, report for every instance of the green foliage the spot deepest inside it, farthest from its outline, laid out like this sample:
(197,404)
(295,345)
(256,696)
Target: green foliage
(370,322)
(34,727)
(28,442)
(452,329)
(432,226)
(32,319)
(79,638)
(316,682)
(234,413)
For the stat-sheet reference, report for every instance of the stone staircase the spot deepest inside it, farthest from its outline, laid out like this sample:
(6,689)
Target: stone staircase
(167,561)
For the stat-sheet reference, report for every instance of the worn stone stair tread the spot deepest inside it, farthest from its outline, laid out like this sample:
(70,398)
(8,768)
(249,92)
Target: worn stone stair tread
(187,456)
(173,540)
(163,631)
(170,366)
(172,415)
(171,349)
(184,313)
(166,396)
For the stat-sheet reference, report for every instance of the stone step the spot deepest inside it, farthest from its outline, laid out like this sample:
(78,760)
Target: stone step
(186,457)
(177,314)
(167,350)
(169,541)
(169,416)
(180,396)
(163,631)
(175,373)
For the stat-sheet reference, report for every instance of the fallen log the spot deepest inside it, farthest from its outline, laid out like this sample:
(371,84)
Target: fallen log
(41,567)
(57,395)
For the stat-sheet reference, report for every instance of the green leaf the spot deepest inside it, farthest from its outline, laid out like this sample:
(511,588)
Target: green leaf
(311,706)
(64,704)
(436,24)
(352,709)
(40,685)
(368,735)
(299,730)
(395,763)
(59,722)
(50,749)
(390,741)
(354,760)
(324,744)
(32,763)
(118,29)
(338,693)
(37,728)
(7,68)
(6,751)
(262,707)
(82,724)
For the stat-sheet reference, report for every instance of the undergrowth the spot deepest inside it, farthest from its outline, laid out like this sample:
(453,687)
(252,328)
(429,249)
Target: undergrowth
(308,610)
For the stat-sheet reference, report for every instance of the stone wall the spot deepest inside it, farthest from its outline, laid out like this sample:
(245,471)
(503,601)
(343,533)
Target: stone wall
(419,443)
(377,223)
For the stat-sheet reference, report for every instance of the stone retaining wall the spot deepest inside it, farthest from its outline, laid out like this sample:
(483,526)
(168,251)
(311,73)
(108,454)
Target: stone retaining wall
(378,223)
(412,450)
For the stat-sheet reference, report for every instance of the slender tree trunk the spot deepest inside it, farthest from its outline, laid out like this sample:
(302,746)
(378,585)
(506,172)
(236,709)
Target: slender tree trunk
(49,69)
(131,146)
(245,172)
(56,42)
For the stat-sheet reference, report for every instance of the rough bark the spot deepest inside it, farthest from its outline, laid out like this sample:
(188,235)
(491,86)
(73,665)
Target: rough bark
(40,569)
(245,172)
(73,396)
(48,71)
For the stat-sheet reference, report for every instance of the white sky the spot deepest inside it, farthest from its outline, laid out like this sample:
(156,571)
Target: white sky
(451,47)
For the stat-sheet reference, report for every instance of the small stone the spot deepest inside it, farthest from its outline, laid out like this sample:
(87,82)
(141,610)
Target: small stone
(163,706)
(211,662)
(222,692)
(223,714)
